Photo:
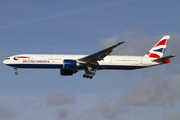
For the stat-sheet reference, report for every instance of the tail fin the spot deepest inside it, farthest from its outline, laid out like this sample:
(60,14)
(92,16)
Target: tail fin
(158,50)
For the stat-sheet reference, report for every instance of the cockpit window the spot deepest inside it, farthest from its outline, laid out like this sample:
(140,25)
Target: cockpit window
(7,58)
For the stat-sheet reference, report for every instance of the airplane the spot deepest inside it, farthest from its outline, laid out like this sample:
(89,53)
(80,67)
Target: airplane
(102,60)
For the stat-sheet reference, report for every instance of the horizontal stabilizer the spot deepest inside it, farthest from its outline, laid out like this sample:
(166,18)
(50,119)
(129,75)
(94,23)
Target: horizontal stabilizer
(164,59)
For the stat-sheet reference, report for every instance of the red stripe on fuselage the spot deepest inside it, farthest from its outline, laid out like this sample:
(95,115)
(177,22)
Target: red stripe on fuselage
(21,57)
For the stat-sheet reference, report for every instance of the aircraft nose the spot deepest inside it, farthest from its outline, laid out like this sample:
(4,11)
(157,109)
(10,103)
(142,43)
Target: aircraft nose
(5,62)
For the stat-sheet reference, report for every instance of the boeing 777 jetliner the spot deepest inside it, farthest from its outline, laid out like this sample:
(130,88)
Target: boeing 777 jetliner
(70,64)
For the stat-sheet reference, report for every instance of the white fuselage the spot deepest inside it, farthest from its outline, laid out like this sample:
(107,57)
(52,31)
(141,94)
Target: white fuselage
(55,61)
(70,64)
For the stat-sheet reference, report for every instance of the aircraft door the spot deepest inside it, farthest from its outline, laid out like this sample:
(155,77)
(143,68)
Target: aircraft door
(110,61)
(141,61)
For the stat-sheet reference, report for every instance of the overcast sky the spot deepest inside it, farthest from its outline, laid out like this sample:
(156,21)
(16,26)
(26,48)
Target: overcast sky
(86,27)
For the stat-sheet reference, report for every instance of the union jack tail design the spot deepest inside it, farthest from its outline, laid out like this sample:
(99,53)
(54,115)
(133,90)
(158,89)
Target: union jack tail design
(158,50)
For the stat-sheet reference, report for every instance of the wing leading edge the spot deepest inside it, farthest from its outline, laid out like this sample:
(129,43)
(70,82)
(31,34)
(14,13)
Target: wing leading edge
(99,55)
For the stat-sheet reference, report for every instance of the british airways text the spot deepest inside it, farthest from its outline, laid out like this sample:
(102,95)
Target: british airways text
(36,61)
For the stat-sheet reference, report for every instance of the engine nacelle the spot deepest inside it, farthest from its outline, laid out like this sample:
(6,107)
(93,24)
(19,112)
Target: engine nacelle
(70,64)
(67,72)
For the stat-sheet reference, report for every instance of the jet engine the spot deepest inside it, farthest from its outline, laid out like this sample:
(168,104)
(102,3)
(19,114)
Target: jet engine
(69,67)
(66,72)
(70,64)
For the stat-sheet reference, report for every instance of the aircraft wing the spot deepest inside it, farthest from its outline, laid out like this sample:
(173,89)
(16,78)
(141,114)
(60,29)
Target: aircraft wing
(99,55)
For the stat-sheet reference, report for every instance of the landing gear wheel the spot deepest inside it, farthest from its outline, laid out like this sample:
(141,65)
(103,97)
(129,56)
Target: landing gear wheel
(16,72)
(89,73)
(90,77)
(87,76)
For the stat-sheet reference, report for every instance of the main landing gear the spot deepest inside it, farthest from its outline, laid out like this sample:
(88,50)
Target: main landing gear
(89,74)
(16,72)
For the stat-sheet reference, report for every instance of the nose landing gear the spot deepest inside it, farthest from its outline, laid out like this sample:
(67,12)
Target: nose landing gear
(16,72)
